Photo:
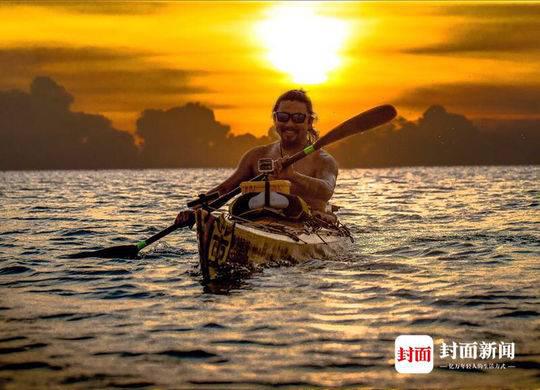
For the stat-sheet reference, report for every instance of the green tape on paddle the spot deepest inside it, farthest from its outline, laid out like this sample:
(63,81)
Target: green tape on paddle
(309,149)
(141,244)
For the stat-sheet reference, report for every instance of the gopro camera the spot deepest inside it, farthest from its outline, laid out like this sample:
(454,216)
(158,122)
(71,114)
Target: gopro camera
(266,165)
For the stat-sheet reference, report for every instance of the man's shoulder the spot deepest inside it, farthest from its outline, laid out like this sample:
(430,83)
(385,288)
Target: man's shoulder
(327,159)
(325,155)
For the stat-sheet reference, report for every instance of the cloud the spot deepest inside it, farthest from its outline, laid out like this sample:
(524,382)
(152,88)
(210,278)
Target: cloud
(39,131)
(488,38)
(148,81)
(440,137)
(190,136)
(96,70)
(42,55)
(19,64)
(122,82)
(100,7)
(489,29)
(481,99)
(492,10)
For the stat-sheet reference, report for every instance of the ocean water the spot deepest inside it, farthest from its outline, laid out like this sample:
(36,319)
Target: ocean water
(449,252)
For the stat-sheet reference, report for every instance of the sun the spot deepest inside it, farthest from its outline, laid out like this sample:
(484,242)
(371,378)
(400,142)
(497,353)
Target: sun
(302,43)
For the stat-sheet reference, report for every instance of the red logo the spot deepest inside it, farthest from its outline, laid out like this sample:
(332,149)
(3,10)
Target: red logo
(414,354)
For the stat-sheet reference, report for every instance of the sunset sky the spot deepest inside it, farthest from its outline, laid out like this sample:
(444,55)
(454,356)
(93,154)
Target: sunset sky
(480,59)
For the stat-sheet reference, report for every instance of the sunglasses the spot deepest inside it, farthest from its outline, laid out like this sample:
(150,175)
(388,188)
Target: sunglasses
(284,117)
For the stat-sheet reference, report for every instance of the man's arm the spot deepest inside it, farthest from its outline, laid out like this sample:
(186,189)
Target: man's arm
(244,171)
(322,186)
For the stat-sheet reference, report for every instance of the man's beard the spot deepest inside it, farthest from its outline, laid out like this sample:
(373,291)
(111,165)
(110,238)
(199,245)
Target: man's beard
(290,143)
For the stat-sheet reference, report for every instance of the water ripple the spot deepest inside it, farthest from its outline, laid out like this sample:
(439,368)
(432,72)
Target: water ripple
(449,252)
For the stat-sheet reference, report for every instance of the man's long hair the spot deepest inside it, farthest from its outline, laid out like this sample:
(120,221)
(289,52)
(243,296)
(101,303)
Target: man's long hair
(299,95)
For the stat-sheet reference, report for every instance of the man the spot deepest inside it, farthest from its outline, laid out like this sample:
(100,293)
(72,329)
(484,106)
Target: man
(313,178)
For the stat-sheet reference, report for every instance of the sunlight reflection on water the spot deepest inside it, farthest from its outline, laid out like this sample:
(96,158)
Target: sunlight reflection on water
(448,252)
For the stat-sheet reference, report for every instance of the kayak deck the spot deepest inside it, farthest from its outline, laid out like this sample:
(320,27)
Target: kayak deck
(229,245)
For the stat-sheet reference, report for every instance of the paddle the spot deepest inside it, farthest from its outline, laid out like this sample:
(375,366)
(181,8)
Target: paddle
(125,251)
(367,120)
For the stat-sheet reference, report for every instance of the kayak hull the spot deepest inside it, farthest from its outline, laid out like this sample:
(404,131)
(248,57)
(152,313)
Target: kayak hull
(228,246)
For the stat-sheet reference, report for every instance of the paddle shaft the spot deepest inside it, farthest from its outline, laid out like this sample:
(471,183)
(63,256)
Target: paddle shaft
(144,243)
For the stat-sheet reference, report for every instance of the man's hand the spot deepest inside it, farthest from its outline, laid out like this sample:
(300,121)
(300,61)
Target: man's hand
(283,173)
(185,218)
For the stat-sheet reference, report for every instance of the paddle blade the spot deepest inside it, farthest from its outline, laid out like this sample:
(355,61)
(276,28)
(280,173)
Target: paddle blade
(367,120)
(122,251)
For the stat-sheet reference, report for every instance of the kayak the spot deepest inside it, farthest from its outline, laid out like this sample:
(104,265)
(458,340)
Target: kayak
(230,246)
